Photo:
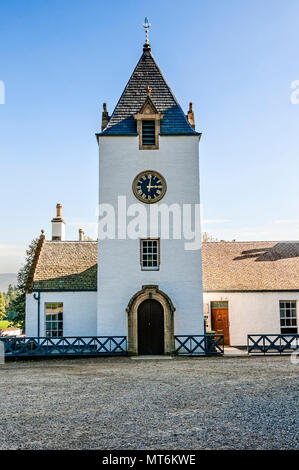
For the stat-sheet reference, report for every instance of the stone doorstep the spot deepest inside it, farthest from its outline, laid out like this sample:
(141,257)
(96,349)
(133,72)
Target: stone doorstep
(234,352)
(155,358)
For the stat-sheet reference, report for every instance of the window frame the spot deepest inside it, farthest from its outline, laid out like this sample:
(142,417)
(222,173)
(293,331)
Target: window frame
(141,254)
(292,316)
(148,117)
(60,323)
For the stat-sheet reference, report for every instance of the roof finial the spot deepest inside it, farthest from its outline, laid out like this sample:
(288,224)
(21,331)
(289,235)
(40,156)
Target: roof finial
(146,26)
(148,91)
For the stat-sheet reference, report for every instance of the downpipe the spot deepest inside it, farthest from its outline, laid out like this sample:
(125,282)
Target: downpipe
(37,298)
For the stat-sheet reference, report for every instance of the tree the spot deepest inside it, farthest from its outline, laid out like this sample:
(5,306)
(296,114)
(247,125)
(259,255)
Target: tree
(2,306)
(206,237)
(10,297)
(17,304)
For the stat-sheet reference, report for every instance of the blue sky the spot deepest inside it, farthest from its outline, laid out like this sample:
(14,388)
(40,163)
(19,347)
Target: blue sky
(235,59)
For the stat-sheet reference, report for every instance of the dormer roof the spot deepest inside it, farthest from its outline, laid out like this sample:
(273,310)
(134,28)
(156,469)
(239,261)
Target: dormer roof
(148,107)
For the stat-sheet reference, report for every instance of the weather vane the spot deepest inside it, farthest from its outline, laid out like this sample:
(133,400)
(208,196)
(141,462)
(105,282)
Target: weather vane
(146,26)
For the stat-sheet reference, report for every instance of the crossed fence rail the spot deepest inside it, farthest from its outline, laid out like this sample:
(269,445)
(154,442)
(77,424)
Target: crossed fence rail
(272,344)
(195,345)
(65,345)
(191,345)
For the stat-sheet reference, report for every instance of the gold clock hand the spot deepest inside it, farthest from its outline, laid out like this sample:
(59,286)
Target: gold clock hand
(149,186)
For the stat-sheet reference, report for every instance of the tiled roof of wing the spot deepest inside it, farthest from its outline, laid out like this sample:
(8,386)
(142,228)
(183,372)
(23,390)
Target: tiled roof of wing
(227,266)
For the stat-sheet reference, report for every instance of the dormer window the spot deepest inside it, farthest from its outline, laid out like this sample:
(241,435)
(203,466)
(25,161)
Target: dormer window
(148,124)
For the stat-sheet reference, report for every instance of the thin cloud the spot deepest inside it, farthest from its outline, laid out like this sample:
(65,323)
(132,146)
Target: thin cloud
(11,257)
(215,221)
(287,221)
(11,250)
(81,223)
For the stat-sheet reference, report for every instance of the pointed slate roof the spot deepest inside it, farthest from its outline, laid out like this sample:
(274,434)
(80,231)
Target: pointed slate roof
(147,73)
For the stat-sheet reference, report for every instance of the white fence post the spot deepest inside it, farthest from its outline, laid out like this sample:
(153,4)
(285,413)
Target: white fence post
(2,353)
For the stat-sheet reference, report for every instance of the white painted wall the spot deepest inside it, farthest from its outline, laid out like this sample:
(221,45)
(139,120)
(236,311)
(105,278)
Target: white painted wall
(251,312)
(79,313)
(120,275)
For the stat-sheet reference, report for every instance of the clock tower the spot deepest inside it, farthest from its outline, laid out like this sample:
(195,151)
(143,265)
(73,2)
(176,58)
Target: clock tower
(149,270)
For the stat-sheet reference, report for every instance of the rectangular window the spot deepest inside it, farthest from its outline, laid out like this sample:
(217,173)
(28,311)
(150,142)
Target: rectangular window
(148,133)
(288,316)
(54,319)
(150,254)
(219,304)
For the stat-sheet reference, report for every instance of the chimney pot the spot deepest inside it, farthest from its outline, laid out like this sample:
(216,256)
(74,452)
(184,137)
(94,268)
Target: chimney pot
(58,209)
(81,235)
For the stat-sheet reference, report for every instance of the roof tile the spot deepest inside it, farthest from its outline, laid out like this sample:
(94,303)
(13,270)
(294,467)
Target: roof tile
(227,266)
(66,266)
(250,266)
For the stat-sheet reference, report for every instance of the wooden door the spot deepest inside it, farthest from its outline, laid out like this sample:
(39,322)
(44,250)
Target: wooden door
(220,322)
(150,327)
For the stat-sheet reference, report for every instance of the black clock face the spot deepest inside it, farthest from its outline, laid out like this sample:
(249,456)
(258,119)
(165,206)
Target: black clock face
(149,186)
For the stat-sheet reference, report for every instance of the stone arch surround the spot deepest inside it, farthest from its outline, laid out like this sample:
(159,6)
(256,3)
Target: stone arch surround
(150,292)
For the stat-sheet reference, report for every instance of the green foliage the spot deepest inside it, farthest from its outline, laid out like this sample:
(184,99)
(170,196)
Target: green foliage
(17,304)
(10,294)
(4,324)
(206,237)
(2,306)
(10,297)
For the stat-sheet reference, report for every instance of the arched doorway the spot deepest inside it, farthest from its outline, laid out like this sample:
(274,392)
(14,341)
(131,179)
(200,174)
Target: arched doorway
(163,306)
(150,324)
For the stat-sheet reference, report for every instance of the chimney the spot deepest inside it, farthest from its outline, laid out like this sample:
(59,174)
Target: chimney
(81,235)
(190,116)
(58,225)
(105,116)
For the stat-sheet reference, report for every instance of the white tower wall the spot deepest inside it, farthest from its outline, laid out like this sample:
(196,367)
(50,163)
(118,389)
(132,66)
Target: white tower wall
(119,273)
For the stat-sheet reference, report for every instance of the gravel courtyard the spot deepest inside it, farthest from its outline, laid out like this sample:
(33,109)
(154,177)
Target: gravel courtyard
(119,403)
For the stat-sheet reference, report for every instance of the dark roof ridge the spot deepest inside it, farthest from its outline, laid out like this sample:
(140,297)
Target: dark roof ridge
(29,282)
(253,241)
(71,241)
